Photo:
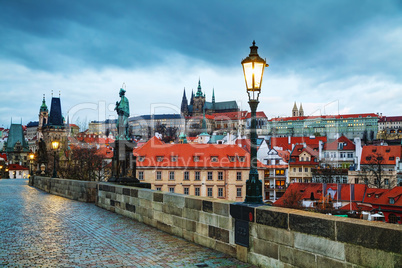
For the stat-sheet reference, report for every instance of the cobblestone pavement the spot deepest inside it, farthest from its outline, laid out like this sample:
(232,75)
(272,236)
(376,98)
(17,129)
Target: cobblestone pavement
(38,229)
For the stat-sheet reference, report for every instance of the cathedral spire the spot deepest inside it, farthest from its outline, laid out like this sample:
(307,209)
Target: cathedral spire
(295,111)
(213,96)
(199,92)
(301,112)
(184,104)
(192,97)
(43,107)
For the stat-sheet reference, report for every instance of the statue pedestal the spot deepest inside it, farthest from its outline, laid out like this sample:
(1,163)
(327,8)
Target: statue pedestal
(124,165)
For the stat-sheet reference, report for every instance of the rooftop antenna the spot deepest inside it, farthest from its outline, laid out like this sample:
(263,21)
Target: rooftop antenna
(52,93)
(59,93)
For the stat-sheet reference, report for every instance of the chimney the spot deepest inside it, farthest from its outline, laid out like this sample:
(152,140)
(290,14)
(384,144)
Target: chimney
(289,140)
(320,146)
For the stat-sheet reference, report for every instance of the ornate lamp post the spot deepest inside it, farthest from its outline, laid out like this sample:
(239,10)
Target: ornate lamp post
(253,68)
(55,146)
(31,158)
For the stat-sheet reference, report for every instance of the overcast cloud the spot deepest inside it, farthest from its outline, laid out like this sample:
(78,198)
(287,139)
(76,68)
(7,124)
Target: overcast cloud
(332,56)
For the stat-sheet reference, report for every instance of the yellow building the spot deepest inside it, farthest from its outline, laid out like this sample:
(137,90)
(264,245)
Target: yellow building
(208,170)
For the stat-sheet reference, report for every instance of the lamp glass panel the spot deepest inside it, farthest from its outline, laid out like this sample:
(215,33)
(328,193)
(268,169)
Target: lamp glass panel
(248,74)
(55,145)
(258,69)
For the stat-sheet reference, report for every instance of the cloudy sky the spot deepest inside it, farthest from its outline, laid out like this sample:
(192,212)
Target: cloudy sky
(336,56)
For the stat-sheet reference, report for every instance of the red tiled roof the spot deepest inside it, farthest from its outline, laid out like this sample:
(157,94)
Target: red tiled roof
(389,153)
(341,116)
(186,153)
(357,207)
(390,119)
(229,116)
(317,189)
(16,167)
(284,141)
(384,197)
(4,156)
(348,145)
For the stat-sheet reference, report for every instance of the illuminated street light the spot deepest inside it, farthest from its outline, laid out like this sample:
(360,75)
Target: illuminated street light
(55,147)
(253,68)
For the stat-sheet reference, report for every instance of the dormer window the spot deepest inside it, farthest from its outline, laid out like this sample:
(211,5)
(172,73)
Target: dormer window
(214,159)
(174,158)
(368,195)
(392,200)
(140,158)
(232,158)
(242,158)
(196,158)
(159,158)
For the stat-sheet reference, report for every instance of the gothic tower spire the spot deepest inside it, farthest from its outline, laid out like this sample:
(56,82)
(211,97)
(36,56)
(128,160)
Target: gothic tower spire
(301,112)
(295,111)
(184,104)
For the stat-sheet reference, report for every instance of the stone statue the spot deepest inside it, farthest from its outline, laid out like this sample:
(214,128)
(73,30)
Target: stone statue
(42,152)
(123,111)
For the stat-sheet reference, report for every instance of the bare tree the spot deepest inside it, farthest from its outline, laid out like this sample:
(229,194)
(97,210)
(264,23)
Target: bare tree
(373,171)
(292,199)
(83,163)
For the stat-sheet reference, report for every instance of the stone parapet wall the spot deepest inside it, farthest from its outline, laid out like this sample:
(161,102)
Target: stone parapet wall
(278,237)
(84,191)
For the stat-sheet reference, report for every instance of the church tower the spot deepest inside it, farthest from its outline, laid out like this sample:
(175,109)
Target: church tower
(184,104)
(295,111)
(301,112)
(199,101)
(43,117)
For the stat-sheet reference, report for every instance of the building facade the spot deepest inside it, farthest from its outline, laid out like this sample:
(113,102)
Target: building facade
(364,126)
(209,170)
(389,128)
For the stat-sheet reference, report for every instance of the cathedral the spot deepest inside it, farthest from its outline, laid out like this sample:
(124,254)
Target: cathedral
(198,104)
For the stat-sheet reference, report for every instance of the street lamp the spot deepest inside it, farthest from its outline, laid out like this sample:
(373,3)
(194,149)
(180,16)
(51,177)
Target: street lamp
(55,146)
(253,68)
(31,157)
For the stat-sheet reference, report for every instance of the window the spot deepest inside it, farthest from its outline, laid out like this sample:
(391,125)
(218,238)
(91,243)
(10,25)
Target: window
(344,180)
(197,191)
(220,176)
(300,169)
(242,158)
(196,158)
(159,158)
(391,200)
(174,158)
(197,175)
(209,175)
(386,181)
(238,176)
(391,158)
(141,175)
(238,192)
(171,189)
(306,169)
(350,155)
(294,169)
(301,158)
(186,176)
(159,188)
(214,159)
(209,191)
(392,218)
(158,175)
(186,190)
(141,159)
(220,192)
(356,180)
(171,175)
(232,159)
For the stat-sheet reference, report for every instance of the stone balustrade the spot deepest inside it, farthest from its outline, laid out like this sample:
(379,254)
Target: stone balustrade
(276,237)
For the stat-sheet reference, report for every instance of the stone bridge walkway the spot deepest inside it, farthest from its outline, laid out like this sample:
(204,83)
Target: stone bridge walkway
(38,229)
